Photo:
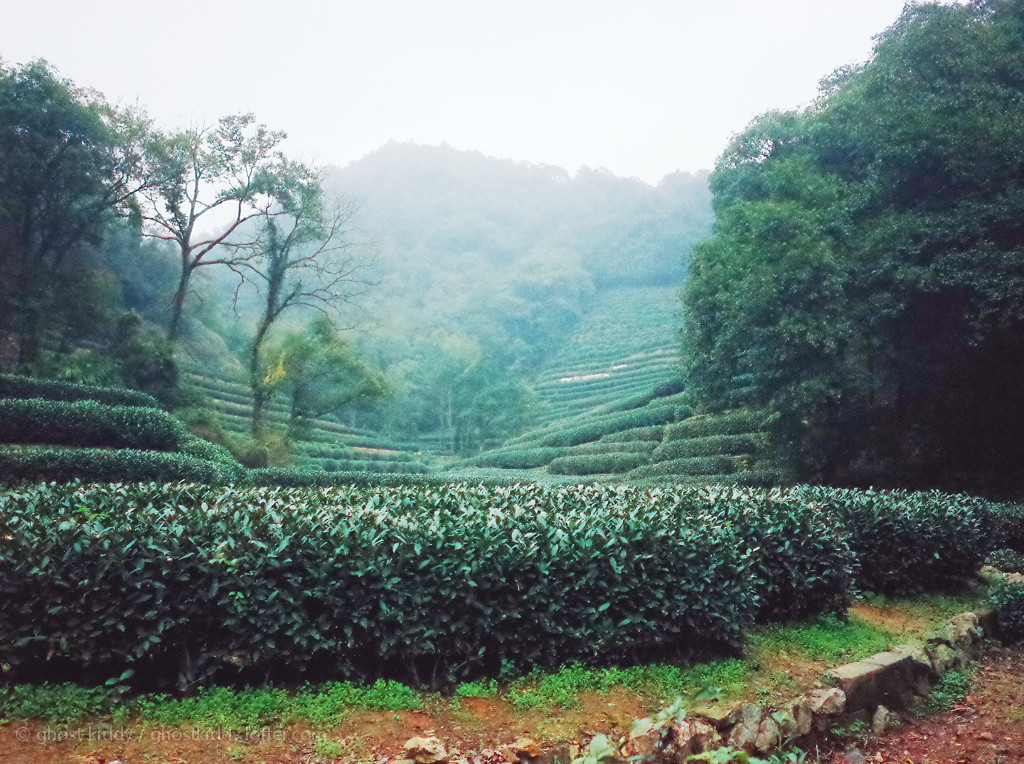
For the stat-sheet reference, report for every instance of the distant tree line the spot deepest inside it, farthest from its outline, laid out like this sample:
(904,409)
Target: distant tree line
(865,280)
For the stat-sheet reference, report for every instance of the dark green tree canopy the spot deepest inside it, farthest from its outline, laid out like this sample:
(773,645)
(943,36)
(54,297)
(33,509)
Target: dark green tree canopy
(865,282)
(66,167)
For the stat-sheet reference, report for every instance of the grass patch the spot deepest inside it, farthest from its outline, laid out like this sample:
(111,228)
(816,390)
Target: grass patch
(934,607)
(55,703)
(221,707)
(657,682)
(828,640)
(485,688)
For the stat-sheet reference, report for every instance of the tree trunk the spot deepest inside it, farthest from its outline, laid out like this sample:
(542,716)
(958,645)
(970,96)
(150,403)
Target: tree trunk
(260,391)
(178,302)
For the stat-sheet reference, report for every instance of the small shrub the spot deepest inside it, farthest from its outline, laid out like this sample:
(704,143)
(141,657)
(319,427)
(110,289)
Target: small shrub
(271,450)
(1008,600)
(1006,561)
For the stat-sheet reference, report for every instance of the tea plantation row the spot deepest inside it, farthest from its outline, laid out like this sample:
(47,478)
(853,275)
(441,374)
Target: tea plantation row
(431,583)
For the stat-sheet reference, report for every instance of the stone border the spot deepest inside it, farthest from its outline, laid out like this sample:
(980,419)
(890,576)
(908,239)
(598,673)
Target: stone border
(864,691)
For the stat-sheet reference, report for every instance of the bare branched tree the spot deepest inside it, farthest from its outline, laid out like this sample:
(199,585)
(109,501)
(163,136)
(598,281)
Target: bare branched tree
(220,176)
(302,259)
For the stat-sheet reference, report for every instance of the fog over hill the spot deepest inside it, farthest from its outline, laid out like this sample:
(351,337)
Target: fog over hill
(486,264)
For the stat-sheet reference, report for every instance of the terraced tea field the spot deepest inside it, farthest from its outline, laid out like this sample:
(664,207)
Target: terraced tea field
(328,444)
(624,346)
(614,406)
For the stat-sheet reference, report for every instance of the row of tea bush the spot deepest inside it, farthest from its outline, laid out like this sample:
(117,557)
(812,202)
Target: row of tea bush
(430,582)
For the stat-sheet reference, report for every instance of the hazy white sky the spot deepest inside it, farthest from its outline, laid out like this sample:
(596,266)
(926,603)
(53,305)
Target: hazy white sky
(642,88)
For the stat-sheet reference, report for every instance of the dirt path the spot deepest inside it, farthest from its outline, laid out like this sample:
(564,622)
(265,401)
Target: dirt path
(986,728)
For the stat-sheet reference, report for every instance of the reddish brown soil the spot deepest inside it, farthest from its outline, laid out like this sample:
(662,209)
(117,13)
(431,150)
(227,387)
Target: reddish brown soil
(472,730)
(986,728)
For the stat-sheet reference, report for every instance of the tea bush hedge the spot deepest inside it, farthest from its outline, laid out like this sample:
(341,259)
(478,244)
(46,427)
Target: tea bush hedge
(1009,521)
(1008,600)
(596,464)
(654,433)
(1006,561)
(13,386)
(413,582)
(516,458)
(691,465)
(88,423)
(737,422)
(910,541)
(427,581)
(802,559)
(203,449)
(708,445)
(101,465)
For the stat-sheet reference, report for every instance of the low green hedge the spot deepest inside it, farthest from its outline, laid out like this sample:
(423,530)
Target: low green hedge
(203,449)
(195,583)
(416,578)
(762,477)
(1009,520)
(690,466)
(654,433)
(709,445)
(1006,561)
(737,422)
(1008,600)
(287,477)
(516,458)
(12,386)
(906,541)
(88,423)
(607,447)
(596,464)
(802,559)
(102,465)
(586,428)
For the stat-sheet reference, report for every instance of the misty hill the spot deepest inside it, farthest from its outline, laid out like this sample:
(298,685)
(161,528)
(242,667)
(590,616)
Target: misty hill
(441,204)
(487,266)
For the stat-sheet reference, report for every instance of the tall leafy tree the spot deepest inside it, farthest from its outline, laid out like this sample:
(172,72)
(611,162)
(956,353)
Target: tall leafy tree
(68,165)
(203,184)
(864,281)
(319,374)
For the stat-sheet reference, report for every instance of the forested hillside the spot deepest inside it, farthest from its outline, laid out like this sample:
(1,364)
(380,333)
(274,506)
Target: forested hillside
(486,266)
(409,298)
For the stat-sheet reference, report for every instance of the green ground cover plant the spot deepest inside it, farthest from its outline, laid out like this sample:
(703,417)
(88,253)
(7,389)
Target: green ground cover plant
(830,639)
(951,689)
